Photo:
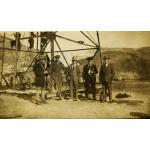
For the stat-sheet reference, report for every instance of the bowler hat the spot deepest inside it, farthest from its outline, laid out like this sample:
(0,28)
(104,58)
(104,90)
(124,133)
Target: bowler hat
(106,57)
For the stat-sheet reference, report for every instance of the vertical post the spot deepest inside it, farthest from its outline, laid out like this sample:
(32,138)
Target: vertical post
(52,58)
(2,60)
(16,59)
(99,47)
(52,46)
(37,40)
(40,41)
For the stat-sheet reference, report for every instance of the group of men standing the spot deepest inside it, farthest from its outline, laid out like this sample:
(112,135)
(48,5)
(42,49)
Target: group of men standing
(50,73)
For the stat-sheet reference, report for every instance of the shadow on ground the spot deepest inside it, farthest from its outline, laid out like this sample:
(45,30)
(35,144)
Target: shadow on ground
(14,116)
(140,115)
(129,102)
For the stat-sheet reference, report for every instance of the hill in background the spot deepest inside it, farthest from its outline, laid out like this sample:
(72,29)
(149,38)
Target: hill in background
(128,63)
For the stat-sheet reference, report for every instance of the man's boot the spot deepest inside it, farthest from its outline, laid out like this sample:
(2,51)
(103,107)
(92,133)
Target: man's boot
(43,97)
(38,101)
(94,96)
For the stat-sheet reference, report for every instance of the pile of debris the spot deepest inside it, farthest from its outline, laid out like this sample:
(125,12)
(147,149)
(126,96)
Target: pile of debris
(122,95)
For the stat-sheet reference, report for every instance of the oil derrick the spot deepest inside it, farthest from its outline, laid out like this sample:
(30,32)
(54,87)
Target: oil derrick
(45,38)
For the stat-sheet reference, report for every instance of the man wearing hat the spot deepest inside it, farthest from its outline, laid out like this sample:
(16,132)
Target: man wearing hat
(89,77)
(57,69)
(40,78)
(106,76)
(73,75)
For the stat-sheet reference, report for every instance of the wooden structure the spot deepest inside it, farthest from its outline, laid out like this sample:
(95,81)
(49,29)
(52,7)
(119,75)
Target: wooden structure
(46,38)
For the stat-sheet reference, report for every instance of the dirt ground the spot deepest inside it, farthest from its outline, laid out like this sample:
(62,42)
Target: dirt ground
(135,106)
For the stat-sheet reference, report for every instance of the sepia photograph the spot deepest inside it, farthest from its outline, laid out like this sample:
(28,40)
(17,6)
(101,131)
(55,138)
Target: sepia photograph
(75,75)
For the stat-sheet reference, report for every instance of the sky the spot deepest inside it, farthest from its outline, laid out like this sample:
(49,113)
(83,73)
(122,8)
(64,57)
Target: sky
(116,39)
(109,39)
(128,39)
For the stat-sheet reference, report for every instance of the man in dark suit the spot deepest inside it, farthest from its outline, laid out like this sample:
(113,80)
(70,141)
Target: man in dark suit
(89,78)
(106,76)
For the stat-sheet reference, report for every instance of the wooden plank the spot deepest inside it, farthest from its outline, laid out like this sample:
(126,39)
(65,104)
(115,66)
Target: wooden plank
(2,60)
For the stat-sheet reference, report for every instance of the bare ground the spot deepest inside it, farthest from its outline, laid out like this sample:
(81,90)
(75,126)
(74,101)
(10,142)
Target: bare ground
(136,106)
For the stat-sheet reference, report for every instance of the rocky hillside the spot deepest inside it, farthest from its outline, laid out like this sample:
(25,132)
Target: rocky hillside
(128,63)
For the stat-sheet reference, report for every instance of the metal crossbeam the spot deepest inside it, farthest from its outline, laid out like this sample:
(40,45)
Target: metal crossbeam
(99,47)
(73,41)
(68,50)
(88,38)
(61,52)
(22,50)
